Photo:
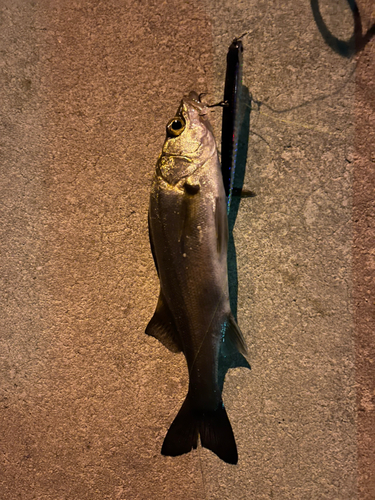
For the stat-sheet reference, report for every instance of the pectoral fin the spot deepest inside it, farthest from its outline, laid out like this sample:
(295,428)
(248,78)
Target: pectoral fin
(188,211)
(162,326)
(192,186)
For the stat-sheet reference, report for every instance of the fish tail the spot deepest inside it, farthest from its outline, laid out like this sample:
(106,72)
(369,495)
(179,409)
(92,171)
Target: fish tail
(213,427)
(182,435)
(217,435)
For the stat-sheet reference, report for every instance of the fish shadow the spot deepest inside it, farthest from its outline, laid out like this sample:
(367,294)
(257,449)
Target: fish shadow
(235,359)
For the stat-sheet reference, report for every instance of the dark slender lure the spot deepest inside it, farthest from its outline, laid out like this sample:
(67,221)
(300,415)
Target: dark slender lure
(231,116)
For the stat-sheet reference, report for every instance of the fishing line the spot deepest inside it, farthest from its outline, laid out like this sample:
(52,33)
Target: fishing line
(208,329)
(260,23)
(201,467)
(316,128)
(306,103)
(298,106)
(299,124)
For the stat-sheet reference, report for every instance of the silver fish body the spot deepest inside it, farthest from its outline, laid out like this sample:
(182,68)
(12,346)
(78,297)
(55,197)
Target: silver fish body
(189,237)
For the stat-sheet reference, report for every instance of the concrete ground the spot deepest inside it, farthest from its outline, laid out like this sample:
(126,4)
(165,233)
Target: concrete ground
(86,397)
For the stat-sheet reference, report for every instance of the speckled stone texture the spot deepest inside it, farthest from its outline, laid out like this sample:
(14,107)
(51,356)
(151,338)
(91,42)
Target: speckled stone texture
(86,397)
(364,261)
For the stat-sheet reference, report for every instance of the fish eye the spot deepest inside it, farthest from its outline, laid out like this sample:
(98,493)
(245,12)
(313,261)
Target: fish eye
(176,126)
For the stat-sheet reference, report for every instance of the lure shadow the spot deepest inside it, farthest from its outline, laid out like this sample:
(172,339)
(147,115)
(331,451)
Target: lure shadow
(235,359)
(239,177)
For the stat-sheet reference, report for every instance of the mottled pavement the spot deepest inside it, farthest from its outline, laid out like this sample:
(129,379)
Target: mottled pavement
(86,397)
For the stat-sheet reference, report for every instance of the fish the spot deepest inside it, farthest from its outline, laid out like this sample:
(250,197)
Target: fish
(231,115)
(188,229)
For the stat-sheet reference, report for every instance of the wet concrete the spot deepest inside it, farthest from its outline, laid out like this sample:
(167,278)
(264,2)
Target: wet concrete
(86,396)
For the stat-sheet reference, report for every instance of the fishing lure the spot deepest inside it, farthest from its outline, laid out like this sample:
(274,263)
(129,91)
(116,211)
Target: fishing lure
(231,115)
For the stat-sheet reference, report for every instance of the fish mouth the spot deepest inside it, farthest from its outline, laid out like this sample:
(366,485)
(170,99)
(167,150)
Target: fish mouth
(179,156)
(193,99)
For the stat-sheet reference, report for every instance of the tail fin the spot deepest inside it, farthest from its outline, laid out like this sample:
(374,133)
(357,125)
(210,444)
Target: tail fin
(213,427)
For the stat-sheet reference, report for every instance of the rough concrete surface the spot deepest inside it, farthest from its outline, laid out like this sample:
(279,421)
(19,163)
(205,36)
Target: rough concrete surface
(87,88)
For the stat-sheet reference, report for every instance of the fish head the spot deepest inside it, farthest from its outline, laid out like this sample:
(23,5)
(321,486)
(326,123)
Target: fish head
(189,142)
